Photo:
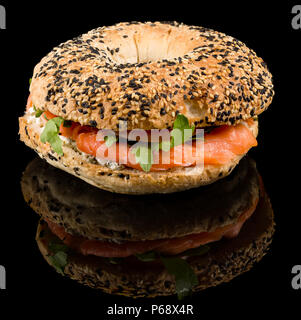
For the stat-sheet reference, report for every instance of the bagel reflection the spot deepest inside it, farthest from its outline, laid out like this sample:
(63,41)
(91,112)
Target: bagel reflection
(130,245)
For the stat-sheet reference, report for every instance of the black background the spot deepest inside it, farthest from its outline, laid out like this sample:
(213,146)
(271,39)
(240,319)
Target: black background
(33,29)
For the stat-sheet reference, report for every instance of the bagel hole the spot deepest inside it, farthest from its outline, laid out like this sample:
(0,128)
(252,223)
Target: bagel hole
(195,110)
(148,47)
(156,48)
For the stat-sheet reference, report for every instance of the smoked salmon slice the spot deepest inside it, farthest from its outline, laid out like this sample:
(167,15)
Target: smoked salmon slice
(221,145)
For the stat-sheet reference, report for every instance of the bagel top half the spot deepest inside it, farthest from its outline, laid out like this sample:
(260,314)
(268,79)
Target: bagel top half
(147,73)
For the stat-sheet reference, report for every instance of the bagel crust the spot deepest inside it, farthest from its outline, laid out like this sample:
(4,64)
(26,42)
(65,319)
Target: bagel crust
(147,73)
(122,179)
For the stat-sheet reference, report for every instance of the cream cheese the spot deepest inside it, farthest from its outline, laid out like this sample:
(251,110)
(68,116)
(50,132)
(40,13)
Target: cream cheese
(34,121)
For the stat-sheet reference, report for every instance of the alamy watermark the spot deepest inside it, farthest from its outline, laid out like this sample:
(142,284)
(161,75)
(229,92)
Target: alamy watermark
(2,17)
(296,281)
(2,278)
(296,21)
(180,147)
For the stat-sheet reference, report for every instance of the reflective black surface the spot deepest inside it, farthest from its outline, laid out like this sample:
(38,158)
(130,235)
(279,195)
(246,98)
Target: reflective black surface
(90,212)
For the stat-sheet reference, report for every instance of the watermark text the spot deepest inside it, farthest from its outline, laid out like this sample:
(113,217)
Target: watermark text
(2,17)
(2,277)
(296,21)
(296,281)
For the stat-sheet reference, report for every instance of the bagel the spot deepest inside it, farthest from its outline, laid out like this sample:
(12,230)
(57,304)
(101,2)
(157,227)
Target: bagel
(121,179)
(137,74)
(102,216)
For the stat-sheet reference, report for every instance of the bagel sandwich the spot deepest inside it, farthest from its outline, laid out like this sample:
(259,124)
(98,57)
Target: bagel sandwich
(132,77)
(126,245)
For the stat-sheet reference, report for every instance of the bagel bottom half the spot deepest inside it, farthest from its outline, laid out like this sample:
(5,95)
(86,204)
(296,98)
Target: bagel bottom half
(131,277)
(124,180)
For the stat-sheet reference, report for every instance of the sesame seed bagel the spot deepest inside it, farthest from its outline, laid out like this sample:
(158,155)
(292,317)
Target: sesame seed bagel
(122,179)
(96,214)
(225,260)
(147,73)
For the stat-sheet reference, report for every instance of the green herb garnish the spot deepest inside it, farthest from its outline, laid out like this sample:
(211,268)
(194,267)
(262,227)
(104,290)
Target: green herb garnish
(59,257)
(147,256)
(59,261)
(184,275)
(109,140)
(38,112)
(51,134)
(178,134)
(56,246)
(144,156)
